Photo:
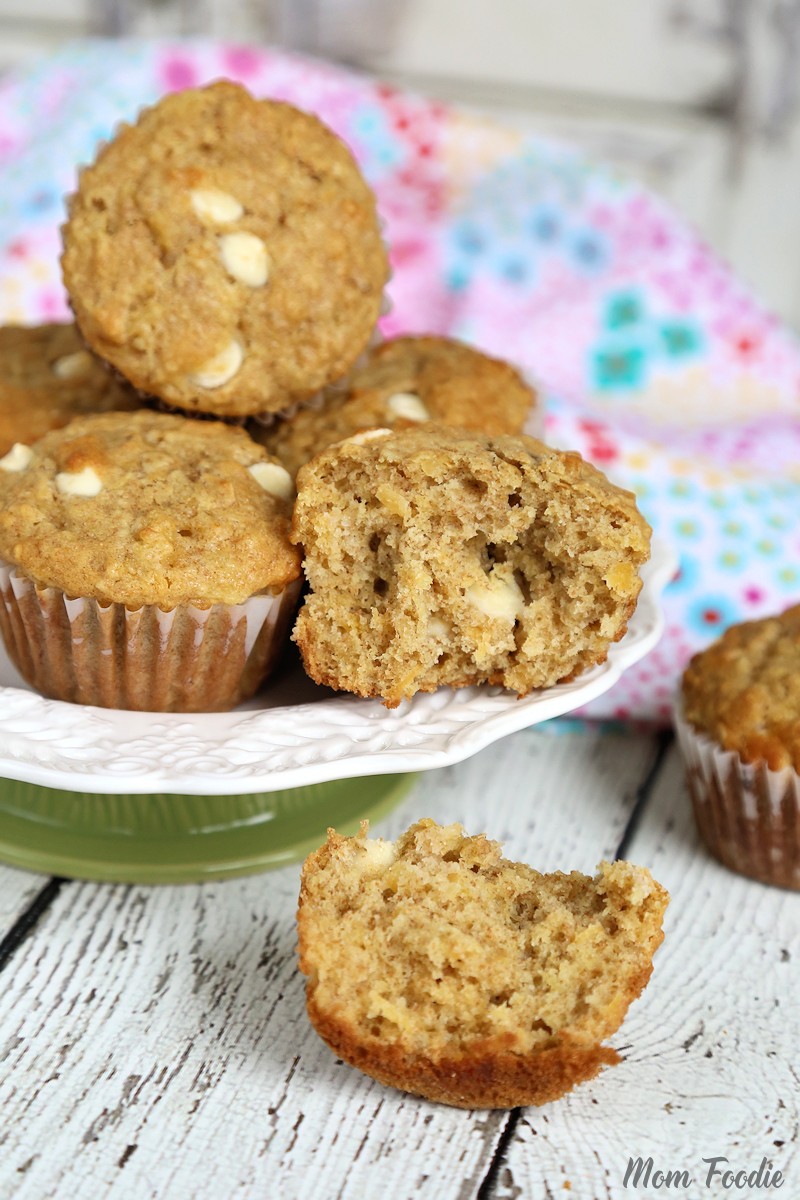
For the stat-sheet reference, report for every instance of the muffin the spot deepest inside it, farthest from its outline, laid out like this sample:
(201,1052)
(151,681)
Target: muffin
(738,725)
(224,253)
(439,556)
(48,377)
(437,966)
(404,382)
(146,562)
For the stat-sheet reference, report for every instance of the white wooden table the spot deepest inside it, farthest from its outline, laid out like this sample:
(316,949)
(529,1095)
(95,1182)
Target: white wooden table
(153,1041)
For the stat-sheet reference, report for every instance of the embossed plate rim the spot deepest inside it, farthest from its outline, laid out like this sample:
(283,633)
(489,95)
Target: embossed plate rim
(99,750)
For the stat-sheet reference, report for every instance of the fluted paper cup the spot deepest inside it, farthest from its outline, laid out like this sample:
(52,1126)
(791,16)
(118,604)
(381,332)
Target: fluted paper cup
(186,659)
(747,814)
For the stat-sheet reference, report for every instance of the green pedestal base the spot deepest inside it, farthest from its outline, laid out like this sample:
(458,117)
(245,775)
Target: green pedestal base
(181,839)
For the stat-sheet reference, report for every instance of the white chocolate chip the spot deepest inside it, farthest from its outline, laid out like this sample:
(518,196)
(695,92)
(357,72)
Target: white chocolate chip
(366,435)
(378,855)
(273,478)
(245,258)
(408,406)
(73,366)
(222,367)
(79,483)
(500,596)
(18,458)
(214,207)
(437,628)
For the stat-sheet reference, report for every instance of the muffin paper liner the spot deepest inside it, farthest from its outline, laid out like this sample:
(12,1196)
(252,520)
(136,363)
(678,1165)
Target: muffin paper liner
(747,814)
(186,659)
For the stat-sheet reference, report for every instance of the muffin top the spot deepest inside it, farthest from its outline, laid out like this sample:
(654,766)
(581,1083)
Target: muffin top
(47,377)
(224,253)
(145,508)
(744,690)
(404,382)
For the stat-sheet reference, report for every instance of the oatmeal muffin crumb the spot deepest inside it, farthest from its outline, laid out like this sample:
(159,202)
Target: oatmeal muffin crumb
(437,966)
(441,557)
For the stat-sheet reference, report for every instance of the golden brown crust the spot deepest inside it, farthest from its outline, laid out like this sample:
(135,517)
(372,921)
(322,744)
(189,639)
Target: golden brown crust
(283,275)
(47,378)
(442,557)
(173,514)
(487,1078)
(744,690)
(437,966)
(455,385)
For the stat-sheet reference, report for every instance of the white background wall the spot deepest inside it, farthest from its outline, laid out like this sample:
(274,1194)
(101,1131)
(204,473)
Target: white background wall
(698,97)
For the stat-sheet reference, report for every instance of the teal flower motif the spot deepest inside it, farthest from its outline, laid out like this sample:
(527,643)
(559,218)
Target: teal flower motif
(458,278)
(680,339)
(623,310)
(619,368)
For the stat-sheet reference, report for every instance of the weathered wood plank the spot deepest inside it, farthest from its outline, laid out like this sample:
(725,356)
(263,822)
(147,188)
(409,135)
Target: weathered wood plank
(17,890)
(711,1048)
(154,1042)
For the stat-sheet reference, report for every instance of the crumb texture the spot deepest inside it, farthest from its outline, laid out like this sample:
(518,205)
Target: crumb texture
(224,253)
(440,967)
(48,377)
(442,557)
(403,382)
(744,690)
(144,508)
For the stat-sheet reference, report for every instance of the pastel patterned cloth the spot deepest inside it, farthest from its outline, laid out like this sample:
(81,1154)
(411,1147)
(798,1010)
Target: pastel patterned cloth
(655,362)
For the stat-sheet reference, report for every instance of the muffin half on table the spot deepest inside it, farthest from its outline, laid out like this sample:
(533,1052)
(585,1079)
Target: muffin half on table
(438,966)
(146,562)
